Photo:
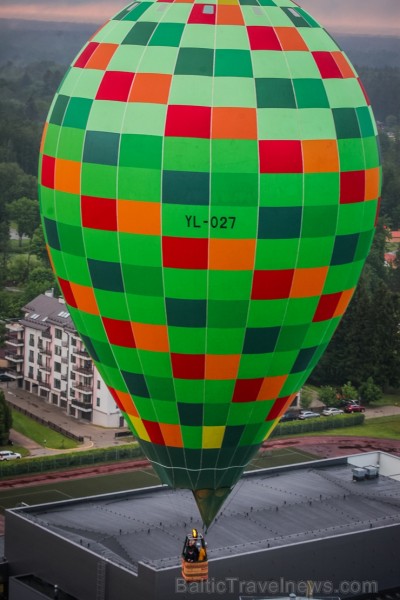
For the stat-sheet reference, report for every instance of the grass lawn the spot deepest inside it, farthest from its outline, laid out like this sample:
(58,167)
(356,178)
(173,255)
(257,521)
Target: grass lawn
(387,400)
(276,458)
(41,434)
(381,427)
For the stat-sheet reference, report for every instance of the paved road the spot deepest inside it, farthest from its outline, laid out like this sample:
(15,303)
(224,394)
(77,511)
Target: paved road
(382,411)
(93,435)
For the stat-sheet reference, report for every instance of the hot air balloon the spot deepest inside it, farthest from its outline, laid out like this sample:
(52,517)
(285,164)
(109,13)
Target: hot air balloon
(209,185)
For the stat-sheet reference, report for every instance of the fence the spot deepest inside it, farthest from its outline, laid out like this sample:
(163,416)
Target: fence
(49,424)
(42,464)
(318,424)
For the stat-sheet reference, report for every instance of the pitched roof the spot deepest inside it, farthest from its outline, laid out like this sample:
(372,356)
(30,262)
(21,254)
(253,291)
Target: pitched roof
(44,310)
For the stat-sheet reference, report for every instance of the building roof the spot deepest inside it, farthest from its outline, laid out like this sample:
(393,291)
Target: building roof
(268,508)
(395,236)
(45,310)
(390,257)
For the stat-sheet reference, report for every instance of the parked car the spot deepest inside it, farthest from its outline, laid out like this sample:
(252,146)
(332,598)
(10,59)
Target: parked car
(288,416)
(307,414)
(330,412)
(8,455)
(345,403)
(353,408)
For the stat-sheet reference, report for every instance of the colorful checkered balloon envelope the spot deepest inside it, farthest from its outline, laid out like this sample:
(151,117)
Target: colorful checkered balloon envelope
(209,186)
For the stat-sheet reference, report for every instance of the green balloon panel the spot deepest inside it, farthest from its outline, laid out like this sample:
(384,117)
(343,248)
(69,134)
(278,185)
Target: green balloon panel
(209,186)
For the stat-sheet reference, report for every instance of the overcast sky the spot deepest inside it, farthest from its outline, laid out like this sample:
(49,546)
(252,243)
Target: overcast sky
(357,16)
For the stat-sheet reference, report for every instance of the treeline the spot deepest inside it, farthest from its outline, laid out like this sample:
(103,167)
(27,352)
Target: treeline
(367,342)
(25,97)
(383,87)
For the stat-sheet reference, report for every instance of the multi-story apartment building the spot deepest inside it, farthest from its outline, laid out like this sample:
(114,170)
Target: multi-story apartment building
(47,358)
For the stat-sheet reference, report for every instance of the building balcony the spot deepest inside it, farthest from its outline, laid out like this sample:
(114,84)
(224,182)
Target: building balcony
(14,373)
(83,389)
(13,339)
(14,357)
(46,368)
(84,406)
(80,352)
(46,335)
(82,370)
(45,350)
(14,327)
(43,384)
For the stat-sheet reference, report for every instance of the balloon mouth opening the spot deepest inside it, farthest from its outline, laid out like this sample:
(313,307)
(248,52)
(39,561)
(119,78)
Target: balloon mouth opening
(209,501)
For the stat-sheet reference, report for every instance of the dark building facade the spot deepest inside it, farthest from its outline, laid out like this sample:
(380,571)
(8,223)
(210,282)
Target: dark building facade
(282,528)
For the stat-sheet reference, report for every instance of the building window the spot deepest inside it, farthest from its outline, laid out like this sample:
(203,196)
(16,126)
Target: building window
(31,356)
(30,373)
(57,350)
(73,359)
(97,401)
(98,385)
(72,375)
(57,367)
(72,393)
(57,384)
(58,334)
(31,339)
(73,341)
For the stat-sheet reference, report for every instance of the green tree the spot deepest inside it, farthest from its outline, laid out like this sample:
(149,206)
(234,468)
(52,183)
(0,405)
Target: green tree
(5,420)
(15,183)
(348,391)
(10,304)
(369,392)
(38,245)
(367,343)
(25,213)
(306,398)
(4,247)
(18,270)
(328,395)
(40,280)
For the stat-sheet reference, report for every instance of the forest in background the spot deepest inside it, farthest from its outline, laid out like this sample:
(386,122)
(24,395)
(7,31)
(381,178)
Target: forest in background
(366,344)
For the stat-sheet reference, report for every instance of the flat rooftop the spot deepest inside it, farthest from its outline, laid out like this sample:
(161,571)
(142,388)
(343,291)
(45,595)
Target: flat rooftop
(268,508)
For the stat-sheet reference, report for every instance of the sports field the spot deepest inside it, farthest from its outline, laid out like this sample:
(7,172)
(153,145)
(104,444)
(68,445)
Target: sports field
(103,484)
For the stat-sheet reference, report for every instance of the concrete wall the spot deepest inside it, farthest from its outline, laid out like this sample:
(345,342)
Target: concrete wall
(19,591)
(356,557)
(341,565)
(76,570)
(389,465)
(105,411)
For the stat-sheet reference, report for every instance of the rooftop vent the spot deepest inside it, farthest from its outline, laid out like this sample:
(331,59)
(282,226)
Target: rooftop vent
(372,472)
(359,474)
